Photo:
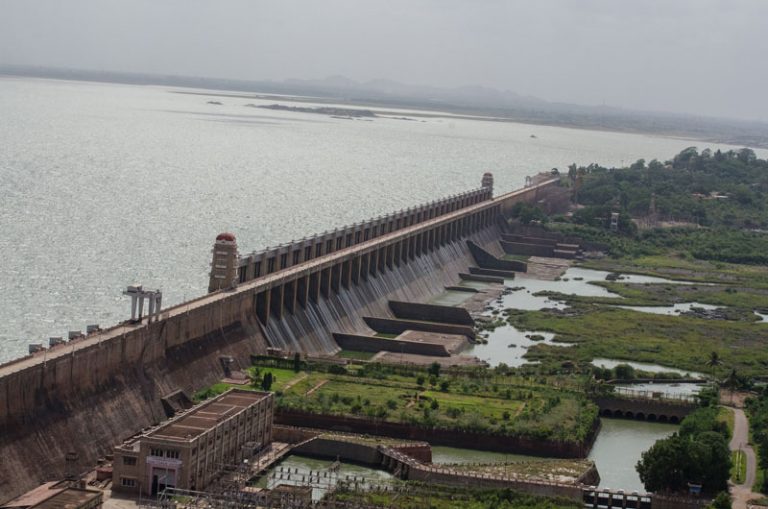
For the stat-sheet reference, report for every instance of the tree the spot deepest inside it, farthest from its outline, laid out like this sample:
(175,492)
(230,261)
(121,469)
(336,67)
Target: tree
(663,466)
(434,369)
(266,382)
(624,372)
(721,501)
(297,362)
(698,453)
(713,362)
(762,458)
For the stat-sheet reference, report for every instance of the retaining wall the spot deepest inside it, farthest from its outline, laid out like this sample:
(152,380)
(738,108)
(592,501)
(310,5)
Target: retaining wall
(376,344)
(490,260)
(431,313)
(395,326)
(453,438)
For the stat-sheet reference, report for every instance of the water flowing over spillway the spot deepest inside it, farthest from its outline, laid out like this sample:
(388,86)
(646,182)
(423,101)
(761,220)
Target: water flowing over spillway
(310,330)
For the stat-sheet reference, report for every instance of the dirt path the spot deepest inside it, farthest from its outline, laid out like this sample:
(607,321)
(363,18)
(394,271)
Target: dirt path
(295,381)
(316,387)
(742,493)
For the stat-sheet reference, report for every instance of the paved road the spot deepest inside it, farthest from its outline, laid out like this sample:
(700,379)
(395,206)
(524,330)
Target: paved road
(741,493)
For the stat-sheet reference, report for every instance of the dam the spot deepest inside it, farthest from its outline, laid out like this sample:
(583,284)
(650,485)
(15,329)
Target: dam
(104,386)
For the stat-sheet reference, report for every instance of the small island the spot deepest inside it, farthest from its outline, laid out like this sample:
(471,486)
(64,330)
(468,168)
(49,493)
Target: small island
(333,111)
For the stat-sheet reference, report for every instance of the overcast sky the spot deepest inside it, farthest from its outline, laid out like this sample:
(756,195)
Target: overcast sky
(695,56)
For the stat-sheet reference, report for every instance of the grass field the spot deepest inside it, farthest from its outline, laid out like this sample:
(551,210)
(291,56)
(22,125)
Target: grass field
(447,404)
(675,341)
(739,466)
(479,400)
(726,415)
(687,269)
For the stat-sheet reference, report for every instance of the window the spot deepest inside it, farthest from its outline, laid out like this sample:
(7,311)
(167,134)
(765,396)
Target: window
(307,252)
(349,239)
(271,265)
(357,237)
(329,246)
(129,461)
(318,249)
(257,269)
(172,454)
(283,260)
(156,452)
(338,243)
(127,482)
(296,255)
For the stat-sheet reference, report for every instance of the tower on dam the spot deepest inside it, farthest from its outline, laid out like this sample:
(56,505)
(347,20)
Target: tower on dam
(487,182)
(224,263)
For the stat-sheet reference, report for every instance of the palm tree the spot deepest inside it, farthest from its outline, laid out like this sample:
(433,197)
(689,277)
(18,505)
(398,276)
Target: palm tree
(713,362)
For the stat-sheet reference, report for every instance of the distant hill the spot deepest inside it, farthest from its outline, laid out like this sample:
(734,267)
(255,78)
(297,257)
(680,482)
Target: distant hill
(468,100)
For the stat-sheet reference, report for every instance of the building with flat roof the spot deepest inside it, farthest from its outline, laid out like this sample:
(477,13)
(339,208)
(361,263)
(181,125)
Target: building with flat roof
(193,448)
(57,495)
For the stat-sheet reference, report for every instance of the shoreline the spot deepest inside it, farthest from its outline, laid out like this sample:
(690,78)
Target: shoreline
(395,107)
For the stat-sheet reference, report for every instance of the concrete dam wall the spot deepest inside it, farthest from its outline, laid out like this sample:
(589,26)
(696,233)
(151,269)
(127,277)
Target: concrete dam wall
(311,330)
(88,395)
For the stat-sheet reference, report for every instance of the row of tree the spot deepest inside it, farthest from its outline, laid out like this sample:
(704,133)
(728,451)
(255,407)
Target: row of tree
(709,189)
(697,453)
(757,408)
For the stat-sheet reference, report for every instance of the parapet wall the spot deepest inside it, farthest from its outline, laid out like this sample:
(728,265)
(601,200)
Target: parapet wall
(268,261)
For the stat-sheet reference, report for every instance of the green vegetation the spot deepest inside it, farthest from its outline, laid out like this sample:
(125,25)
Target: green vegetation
(738,466)
(211,392)
(716,204)
(503,400)
(757,409)
(356,355)
(676,265)
(456,400)
(744,299)
(720,189)
(697,453)
(675,341)
(419,496)
(725,416)
(721,501)
(553,469)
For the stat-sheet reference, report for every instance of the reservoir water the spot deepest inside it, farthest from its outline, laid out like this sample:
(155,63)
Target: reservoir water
(104,185)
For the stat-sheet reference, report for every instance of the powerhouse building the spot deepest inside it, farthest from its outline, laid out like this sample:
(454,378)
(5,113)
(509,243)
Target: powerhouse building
(192,449)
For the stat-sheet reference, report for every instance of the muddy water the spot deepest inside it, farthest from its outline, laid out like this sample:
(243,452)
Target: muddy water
(619,447)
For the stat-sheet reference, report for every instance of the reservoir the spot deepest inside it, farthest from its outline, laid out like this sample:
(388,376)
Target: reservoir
(106,185)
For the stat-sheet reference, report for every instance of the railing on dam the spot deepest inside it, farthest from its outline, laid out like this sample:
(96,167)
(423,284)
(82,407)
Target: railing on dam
(630,393)
(271,260)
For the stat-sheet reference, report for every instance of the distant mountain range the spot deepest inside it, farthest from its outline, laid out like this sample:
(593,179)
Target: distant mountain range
(469,100)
